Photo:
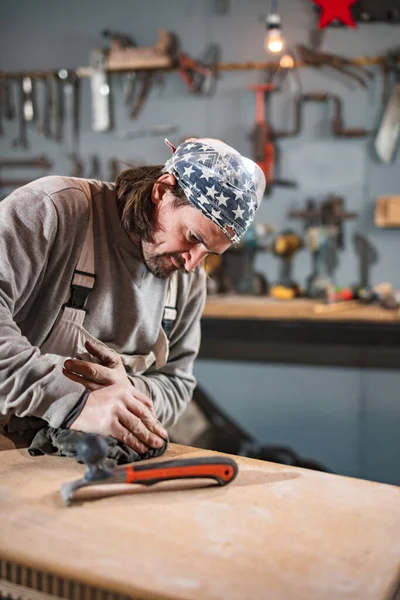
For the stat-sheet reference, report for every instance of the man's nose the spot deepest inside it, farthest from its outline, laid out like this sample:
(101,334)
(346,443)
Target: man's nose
(194,257)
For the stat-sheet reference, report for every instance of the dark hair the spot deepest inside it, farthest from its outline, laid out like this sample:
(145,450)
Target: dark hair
(135,206)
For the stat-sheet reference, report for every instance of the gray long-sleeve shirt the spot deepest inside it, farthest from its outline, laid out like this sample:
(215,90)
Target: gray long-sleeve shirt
(42,230)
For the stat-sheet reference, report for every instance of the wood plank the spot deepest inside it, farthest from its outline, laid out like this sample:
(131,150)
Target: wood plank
(256,307)
(276,532)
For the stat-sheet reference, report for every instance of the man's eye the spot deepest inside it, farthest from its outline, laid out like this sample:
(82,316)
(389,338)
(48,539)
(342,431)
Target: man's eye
(193,238)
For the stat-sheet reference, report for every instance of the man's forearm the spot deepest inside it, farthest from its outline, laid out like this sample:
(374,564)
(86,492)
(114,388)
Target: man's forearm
(32,384)
(170,394)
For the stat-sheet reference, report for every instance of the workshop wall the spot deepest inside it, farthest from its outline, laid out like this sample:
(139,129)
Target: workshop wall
(347,418)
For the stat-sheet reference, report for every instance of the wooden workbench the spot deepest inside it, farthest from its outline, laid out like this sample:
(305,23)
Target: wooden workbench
(275,533)
(261,329)
(261,307)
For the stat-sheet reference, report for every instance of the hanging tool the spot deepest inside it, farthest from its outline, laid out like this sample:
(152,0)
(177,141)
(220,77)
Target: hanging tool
(129,88)
(9,100)
(92,451)
(22,139)
(285,246)
(337,128)
(30,104)
(144,82)
(367,256)
(77,169)
(95,167)
(323,237)
(387,139)
(57,107)
(264,152)
(124,55)
(43,124)
(71,85)
(200,78)
(314,58)
(40,162)
(113,169)
(100,90)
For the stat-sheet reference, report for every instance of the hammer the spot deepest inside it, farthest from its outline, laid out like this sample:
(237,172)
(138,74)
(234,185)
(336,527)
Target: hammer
(91,450)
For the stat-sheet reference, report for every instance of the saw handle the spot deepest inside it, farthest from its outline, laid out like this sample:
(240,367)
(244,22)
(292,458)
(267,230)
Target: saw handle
(222,469)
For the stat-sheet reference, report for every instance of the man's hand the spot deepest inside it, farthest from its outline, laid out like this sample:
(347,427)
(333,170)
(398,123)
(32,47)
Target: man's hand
(124,412)
(92,375)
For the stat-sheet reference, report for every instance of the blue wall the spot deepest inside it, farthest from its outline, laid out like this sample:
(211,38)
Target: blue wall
(347,418)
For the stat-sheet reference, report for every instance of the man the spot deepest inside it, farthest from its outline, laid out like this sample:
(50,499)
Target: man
(93,274)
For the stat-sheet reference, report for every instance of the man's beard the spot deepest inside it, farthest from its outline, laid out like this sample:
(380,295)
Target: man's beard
(160,265)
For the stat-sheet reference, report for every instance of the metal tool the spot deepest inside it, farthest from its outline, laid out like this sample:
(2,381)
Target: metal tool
(57,107)
(30,103)
(367,256)
(40,162)
(92,451)
(44,125)
(100,90)
(323,237)
(71,109)
(285,246)
(387,139)
(129,88)
(77,169)
(22,139)
(144,82)
(337,127)
(8,99)
(113,169)
(200,78)
(345,66)
(95,167)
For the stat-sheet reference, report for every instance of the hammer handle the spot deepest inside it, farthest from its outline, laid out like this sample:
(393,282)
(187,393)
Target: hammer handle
(222,469)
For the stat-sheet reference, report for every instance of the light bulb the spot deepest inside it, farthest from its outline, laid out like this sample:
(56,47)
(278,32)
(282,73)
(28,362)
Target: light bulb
(273,38)
(286,61)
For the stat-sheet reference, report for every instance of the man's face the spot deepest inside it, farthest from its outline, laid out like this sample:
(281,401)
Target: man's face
(182,238)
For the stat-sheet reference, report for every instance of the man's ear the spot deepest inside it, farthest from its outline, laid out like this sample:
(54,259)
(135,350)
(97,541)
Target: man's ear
(159,188)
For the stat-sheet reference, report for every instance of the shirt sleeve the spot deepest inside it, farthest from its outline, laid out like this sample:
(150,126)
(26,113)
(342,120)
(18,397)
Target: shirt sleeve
(30,383)
(172,386)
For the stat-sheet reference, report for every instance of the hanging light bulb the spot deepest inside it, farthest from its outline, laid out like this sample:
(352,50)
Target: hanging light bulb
(273,38)
(286,61)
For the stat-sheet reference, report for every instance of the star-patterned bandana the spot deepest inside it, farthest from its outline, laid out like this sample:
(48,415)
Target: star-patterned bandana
(226,186)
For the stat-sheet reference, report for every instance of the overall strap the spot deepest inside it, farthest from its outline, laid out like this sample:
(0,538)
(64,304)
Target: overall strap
(170,312)
(84,278)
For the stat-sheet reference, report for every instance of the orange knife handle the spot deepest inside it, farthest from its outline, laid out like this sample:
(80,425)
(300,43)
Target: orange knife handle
(222,469)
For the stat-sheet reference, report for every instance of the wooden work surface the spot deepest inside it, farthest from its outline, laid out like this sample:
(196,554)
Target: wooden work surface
(256,307)
(276,533)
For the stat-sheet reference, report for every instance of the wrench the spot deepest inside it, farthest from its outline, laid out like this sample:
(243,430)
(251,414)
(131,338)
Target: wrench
(8,97)
(71,108)
(48,108)
(22,139)
(57,107)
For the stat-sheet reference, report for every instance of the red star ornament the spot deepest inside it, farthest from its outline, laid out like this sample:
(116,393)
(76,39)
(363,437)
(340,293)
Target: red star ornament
(335,9)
